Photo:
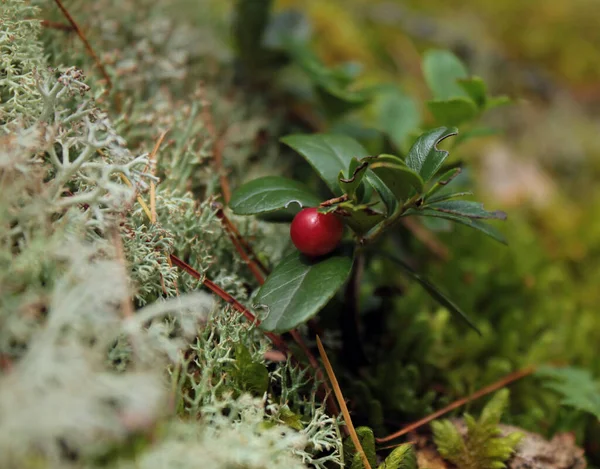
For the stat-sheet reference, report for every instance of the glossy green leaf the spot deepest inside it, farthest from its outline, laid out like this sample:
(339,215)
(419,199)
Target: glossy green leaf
(299,287)
(351,182)
(328,154)
(385,193)
(424,157)
(444,197)
(360,218)
(476,89)
(271,193)
(433,291)
(397,115)
(443,181)
(466,208)
(284,215)
(442,70)
(453,111)
(401,180)
(489,230)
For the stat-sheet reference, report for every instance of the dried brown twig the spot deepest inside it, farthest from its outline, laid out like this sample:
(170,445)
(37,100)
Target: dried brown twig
(86,43)
(460,402)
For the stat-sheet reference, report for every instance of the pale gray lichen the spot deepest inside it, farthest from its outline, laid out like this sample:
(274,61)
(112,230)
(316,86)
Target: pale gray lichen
(83,371)
(21,54)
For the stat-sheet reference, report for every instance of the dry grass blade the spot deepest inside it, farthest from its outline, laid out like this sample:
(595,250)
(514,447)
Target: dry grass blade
(152,159)
(342,403)
(126,305)
(139,198)
(241,246)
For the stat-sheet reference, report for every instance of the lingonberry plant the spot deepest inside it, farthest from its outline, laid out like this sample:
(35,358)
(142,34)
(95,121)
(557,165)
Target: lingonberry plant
(370,195)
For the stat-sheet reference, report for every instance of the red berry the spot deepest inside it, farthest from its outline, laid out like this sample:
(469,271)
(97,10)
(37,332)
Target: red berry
(314,233)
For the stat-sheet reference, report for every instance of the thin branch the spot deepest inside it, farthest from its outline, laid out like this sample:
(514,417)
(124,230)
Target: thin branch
(335,200)
(342,403)
(218,154)
(278,341)
(85,43)
(57,25)
(218,139)
(242,247)
(460,402)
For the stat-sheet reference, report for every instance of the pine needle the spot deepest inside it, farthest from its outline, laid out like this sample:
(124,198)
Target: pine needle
(152,183)
(342,403)
(139,198)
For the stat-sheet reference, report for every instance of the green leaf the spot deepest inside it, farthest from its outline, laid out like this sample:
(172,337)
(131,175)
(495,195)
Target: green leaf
(249,376)
(285,215)
(290,418)
(442,70)
(299,287)
(367,441)
(443,181)
(332,85)
(356,172)
(476,224)
(403,457)
(453,111)
(482,447)
(498,101)
(328,154)
(270,193)
(576,386)
(360,218)
(433,291)
(424,157)
(394,173)
(385,194)
(476,89)
(444,197)
(397,115)
(337,101)
(465,208)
